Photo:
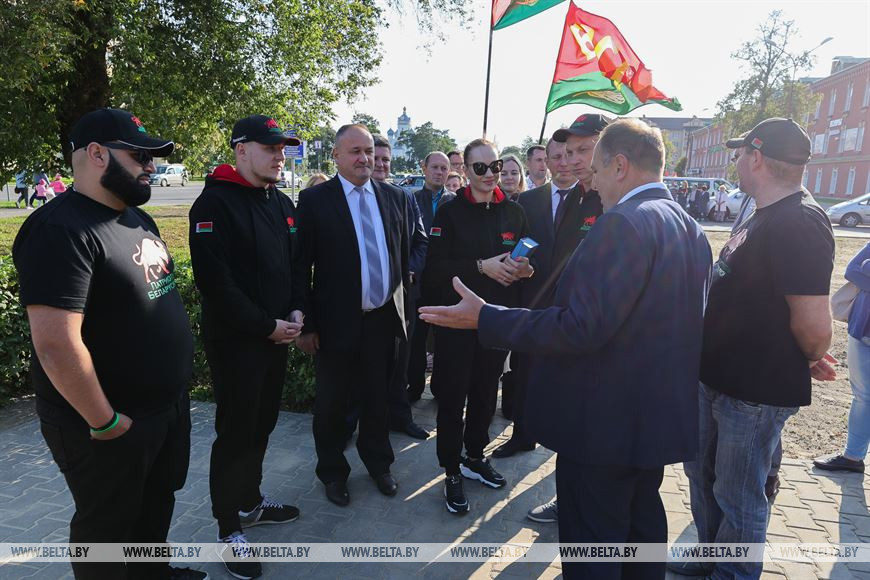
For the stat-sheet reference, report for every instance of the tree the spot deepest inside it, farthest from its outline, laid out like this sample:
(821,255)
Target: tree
(365,119)
(680,169)
(322,159)
(769,88)
(424,139)
(188,68)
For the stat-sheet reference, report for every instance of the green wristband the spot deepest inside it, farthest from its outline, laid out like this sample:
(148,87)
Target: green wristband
(110,426)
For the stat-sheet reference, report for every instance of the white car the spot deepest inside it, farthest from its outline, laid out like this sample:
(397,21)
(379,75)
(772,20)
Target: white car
(851,213)
(289,179)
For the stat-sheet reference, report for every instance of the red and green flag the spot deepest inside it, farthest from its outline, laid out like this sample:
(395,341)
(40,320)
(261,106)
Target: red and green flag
(597,67)
(507,12)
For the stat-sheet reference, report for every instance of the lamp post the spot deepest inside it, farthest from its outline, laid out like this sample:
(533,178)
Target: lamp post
(794,62)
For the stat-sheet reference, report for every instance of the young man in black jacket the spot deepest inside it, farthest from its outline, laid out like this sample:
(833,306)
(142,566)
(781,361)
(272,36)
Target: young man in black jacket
(247,266)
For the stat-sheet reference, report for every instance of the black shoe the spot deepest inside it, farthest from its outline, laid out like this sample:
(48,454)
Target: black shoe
(186,574)
(415,431)
(457,503)
(512,447)
(414,395)
(697,569)
(839,463)
(771,487)
(482,471)
(336,492)
(386,483)
(269,512)
(238,557)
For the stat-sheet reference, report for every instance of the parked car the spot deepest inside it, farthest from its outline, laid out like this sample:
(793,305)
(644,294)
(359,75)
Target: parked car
(289,179)
(412,183)
(851,213)
(170,174)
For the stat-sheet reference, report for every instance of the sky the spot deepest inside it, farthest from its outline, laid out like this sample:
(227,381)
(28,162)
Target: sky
(686,44)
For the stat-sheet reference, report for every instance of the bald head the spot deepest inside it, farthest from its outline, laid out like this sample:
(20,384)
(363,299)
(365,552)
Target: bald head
(436,166)
(354,153)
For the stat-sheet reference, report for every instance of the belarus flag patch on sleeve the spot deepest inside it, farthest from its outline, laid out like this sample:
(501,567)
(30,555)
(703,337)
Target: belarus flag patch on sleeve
(204,227)
(435,232)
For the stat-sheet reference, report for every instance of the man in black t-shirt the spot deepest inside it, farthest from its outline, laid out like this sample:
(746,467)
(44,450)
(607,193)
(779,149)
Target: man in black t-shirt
(112,345)
(766,329)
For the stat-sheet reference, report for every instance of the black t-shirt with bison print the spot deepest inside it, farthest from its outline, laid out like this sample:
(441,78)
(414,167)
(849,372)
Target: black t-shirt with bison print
(77,254)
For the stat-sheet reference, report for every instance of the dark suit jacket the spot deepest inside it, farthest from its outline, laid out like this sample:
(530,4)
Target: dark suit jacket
(615,360)
(555,247)
(333,304)
(424,200)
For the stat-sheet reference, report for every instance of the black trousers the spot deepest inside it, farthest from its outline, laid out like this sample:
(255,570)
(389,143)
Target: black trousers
(124,488)
(248,379)
(360,375)
(608,504)
(417,358)
(467,371)
(518,378)
(22,194)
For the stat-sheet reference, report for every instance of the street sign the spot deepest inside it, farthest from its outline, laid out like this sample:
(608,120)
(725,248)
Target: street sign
(295,151)
(318,145)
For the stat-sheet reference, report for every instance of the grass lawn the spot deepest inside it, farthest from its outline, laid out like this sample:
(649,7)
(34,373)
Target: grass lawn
(172,221)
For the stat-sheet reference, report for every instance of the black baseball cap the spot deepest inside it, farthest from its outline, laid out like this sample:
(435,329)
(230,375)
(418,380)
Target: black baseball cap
(260,129)
(117,125)
(777,138)
(583,126)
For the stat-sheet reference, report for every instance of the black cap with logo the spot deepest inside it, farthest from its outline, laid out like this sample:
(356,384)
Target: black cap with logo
(777,138)
(116,125)
(583,126)
(260,129)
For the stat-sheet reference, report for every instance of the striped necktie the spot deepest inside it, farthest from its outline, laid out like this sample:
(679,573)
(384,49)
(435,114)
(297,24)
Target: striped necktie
(373,256)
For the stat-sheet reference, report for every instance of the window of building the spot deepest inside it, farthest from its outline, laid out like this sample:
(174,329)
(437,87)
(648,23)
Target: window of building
(818,186)
(850,181)
(819,107)
(832,189)
(826,142)
(866,101)
(841,142)
(848,104)
(859,140)
(832,103)
(806,178)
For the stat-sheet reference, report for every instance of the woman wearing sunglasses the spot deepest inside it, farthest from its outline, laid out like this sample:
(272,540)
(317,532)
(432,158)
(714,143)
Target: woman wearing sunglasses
(472,237)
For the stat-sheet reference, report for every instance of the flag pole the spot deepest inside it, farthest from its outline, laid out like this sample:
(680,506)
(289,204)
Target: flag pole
(488,68)
(543,126)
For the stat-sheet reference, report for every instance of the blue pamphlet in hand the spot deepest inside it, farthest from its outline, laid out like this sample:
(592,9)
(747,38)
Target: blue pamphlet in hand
(524,248)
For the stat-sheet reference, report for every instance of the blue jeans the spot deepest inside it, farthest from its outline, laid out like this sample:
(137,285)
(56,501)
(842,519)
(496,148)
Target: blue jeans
(737,441)
(858,358)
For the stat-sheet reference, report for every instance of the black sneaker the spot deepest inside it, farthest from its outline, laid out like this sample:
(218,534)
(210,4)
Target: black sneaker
(839,463)
(238,557)
(482,471)
(186,574)
(457,503)
(269,512)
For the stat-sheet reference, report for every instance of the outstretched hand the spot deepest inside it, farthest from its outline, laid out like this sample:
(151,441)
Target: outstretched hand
(463,315)
(823,370)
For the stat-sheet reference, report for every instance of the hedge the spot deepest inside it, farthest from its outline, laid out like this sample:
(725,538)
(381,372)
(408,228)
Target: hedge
(15,341)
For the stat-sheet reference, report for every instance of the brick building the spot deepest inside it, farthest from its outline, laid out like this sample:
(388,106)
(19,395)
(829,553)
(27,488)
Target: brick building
(840,166)
(706,154)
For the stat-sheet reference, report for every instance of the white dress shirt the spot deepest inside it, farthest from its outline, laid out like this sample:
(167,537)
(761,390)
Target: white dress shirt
(352,198)
(556,197)
(640,188)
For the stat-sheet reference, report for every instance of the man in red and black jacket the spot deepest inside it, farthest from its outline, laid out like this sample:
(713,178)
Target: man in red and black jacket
(247,266)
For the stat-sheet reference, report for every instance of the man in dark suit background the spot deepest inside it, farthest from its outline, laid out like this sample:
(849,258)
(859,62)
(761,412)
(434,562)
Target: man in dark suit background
(560,214)
(436,167)
(616,401)
(355,234)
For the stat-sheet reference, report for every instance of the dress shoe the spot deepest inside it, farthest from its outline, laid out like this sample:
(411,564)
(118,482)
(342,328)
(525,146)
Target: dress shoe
(386,483)
(336,492)
(839,463)
(415,431)
(512,447)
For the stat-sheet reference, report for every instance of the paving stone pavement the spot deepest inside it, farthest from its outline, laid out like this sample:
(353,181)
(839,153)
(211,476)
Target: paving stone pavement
(35,505)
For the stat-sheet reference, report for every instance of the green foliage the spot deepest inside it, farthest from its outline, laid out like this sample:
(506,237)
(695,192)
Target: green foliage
(769,88)
(373,125)
(424,139)
(680,169)
(321,160)
(14,336)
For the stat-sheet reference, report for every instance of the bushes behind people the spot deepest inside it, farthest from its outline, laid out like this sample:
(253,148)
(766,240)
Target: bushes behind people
(15,340)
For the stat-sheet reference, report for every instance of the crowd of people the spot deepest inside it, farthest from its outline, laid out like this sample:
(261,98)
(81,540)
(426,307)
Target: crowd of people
(368,278)
(43,189)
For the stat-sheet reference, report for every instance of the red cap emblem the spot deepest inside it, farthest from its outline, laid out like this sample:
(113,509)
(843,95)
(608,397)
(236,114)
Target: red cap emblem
(271,124)
(507,236)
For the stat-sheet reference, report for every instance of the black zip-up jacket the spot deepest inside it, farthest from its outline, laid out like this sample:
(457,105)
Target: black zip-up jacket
(464,232)
(245,255)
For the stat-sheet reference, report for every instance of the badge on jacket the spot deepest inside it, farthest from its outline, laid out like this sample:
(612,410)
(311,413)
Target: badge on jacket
(508,239)
(204,227)
(291,225)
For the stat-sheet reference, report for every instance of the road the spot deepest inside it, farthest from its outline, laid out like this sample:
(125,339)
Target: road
(175,195)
